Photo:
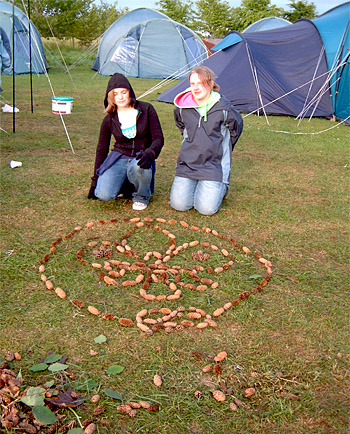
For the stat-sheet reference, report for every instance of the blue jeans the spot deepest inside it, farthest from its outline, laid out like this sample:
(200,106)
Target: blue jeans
(204,196)
(111,181)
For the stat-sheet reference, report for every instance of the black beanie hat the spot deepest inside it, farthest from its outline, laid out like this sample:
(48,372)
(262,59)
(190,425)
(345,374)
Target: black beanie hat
(119,81)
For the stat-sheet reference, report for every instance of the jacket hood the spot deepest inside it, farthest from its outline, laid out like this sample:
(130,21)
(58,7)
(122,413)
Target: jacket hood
(119,81)
(185,99)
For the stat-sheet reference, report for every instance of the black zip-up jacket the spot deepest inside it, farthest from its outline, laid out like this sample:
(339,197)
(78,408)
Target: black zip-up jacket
(148,135)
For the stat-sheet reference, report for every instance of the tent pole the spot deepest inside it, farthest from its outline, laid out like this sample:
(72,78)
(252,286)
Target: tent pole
(30,60)
(13,68)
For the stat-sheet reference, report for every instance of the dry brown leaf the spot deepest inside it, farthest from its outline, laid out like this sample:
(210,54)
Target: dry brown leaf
(217,370)
(78,303)
(108,316)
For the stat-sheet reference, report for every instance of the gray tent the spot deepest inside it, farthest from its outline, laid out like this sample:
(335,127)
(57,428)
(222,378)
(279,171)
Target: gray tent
(25,47)
(267,23)
(148,44)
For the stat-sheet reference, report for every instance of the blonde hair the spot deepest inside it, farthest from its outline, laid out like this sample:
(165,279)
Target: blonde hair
(207,77)
(112,107)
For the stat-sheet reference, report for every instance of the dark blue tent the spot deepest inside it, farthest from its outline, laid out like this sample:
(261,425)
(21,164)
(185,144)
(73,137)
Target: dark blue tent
(286,70)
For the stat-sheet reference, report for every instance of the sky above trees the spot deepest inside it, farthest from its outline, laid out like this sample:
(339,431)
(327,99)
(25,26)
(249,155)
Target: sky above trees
(85,20)
(321,5)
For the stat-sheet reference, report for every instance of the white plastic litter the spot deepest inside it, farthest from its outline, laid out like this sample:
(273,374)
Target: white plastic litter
(14,164)
(9,109)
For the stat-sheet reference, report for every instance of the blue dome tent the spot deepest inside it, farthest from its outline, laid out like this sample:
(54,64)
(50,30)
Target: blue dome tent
(148,44)
(334,28)
(299,70)
(13,20)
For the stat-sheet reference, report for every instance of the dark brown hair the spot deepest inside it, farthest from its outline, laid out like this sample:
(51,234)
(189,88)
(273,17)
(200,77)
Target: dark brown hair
(207,77)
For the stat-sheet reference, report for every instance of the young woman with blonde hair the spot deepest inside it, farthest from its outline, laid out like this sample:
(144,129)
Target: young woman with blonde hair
(210,127)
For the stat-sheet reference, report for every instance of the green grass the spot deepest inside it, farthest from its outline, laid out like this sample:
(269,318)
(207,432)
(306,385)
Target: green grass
(288,200)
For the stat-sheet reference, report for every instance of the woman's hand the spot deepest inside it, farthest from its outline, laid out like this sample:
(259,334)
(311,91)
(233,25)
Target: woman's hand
(145,158)
(91,194)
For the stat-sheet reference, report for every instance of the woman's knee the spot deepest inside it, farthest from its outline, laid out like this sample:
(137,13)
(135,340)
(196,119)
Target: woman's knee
(209,197)
(178,204)
(205,210)
(104,196)
(182,194)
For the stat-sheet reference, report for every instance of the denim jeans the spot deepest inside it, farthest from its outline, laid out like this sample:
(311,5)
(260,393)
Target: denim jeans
(204,196)
(111,181)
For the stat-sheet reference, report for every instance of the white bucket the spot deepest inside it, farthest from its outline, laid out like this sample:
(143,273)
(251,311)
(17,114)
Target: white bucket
(62,104)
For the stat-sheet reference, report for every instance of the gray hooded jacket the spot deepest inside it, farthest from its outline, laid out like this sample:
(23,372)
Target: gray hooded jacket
(208,141)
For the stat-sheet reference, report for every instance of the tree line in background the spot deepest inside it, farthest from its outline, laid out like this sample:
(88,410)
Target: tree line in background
(86,20)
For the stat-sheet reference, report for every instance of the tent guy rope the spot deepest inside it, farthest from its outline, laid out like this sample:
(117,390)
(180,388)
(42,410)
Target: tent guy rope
(314,133)
(175,75)
(49,81)
(287,93)
(256,82)
(304,111)
(59,50)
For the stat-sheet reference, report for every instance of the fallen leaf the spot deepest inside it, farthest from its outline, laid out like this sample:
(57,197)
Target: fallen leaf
(115,369)
(100,339)
(44,415)
(67,398)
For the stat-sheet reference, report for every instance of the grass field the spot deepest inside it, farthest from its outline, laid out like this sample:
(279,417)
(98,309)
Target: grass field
(288,201)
